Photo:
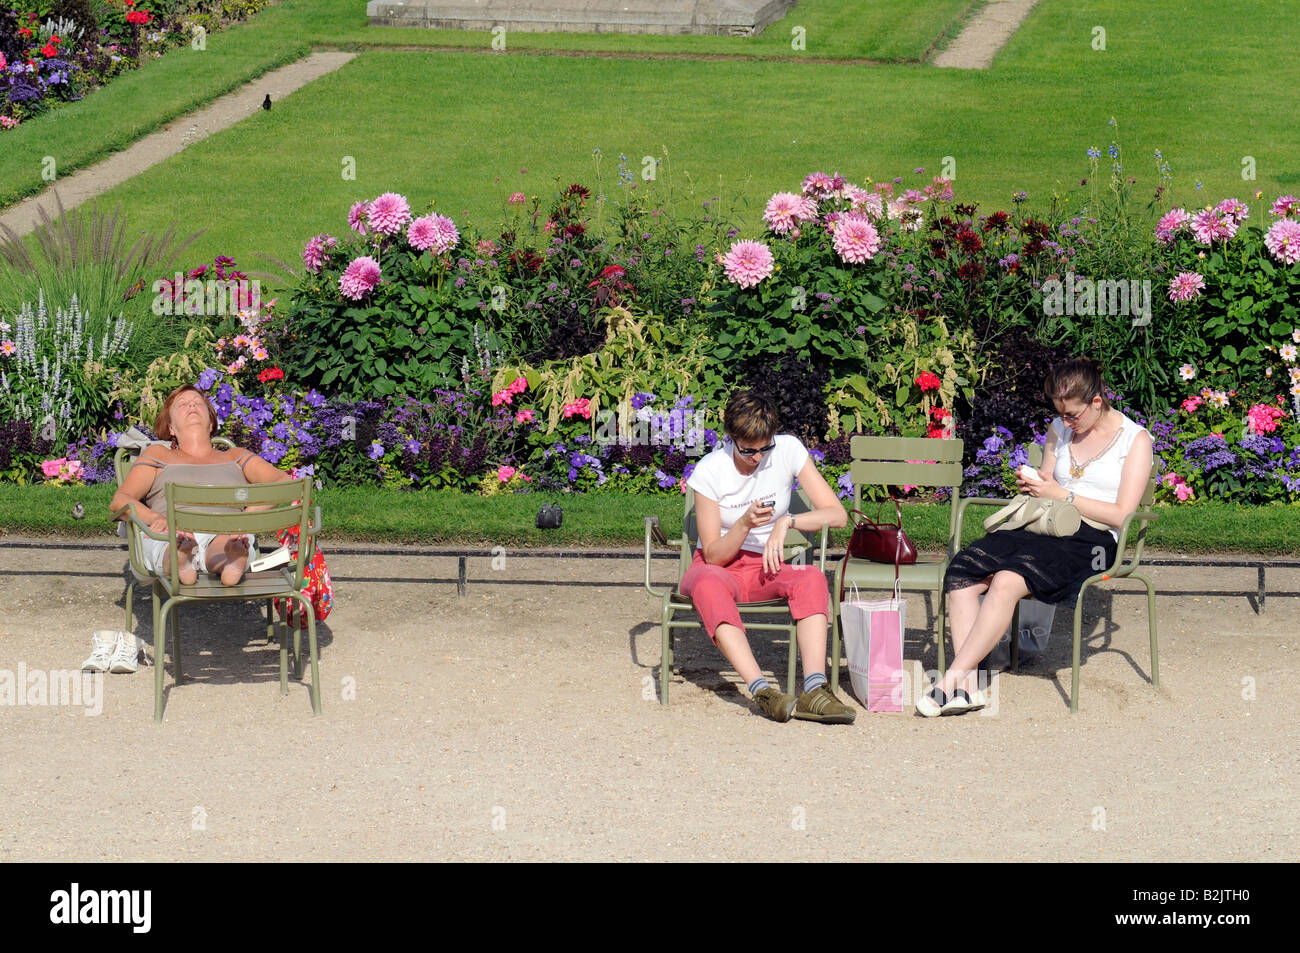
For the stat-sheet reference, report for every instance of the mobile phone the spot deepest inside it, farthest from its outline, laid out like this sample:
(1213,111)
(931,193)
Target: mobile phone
(766,504)
(1028,472)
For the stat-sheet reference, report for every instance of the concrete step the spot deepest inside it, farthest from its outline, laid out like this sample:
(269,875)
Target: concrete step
(718,17)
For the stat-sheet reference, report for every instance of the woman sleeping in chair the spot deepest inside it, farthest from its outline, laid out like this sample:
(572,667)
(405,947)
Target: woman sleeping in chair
(1097,459)
(188,419)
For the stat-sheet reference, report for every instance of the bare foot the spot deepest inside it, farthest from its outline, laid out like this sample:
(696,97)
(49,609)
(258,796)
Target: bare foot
(185,543)
(236,561)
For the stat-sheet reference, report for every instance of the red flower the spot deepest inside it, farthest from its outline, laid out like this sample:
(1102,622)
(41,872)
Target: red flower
(49,51)
(612,271)
(271,374)
(137,16)
(23,31)
(940,413)
(55,39)
(927,381)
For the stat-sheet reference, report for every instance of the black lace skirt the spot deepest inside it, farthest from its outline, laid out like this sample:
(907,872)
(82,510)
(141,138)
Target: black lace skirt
(1053,567)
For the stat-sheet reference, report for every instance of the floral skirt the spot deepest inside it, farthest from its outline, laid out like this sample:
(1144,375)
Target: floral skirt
(1053,567)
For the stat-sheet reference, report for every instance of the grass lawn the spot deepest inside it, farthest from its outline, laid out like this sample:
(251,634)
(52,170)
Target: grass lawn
(458,129)
(605,520)
(136,104)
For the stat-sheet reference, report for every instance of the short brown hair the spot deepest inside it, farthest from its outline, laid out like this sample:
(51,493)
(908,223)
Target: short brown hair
(750,417)
(162,427)
(1079,378)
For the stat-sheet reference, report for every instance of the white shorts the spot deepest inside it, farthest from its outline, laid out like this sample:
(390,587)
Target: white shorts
(152,552)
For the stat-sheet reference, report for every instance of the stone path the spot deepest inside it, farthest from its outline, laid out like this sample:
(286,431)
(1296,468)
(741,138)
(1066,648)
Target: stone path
(986,33)
(82,186)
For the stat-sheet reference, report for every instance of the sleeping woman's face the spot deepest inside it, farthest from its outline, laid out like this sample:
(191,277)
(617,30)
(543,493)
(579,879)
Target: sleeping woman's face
(190,410)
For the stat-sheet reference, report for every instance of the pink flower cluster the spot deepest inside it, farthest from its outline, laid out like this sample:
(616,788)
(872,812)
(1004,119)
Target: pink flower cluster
(507,396)
(505,473)
(1185,286)
(388,214)
(61,469)
(316,252)
(1179,485)
(748,263)
(1263,418)
(855,238)
(786,211)
(1283,241)
(436,233)
(1285,206)
(579,408)
(1170,224)
(359,278)
(1211,225)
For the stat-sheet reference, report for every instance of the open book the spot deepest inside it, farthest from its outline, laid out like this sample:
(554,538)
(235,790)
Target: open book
(277,557)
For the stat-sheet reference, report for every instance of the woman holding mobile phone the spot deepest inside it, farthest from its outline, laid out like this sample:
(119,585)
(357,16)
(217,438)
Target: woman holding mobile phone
(742,502)
(1095,458)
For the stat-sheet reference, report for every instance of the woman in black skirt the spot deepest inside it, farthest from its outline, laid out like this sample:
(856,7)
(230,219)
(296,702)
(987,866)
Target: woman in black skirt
(1096,458)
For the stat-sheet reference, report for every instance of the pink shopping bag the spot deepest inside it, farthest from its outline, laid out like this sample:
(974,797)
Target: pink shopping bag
(873,639)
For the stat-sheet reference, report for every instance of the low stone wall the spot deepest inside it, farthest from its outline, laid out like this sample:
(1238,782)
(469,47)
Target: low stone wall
(717,17)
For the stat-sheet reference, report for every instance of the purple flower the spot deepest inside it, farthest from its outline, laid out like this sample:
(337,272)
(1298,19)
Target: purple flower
(376,451)
(208,378)
(665,481)
(640,399)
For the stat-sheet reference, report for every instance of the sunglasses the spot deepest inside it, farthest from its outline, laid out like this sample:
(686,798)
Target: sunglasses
(1074,418)
(746,452)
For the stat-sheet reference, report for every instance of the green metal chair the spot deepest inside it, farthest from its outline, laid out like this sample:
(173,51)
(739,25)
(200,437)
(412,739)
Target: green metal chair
(123,460)
(288,503)
(796,550)
(883,461)
(1123,568)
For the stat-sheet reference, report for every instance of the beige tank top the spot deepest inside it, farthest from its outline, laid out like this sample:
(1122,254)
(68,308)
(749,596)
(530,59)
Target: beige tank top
(205,474)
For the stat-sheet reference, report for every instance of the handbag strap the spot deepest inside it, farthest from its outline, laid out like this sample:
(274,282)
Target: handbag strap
(1005,512)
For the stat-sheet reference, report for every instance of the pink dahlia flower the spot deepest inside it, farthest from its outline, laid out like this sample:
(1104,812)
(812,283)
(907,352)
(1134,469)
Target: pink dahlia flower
(1283,241)
(1234,210)
(748,263)
(785,211)
(436,232)
(819,186)
(1210,226)
(1171,224)
(316,251)
(856,239)
(357,216)
(1285,206)
(873,206)
(1186,286)
(517,198)
(389,213)
(359,278)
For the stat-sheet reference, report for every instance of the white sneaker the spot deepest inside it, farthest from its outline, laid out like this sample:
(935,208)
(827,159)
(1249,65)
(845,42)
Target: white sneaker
(104,646)
(126,656)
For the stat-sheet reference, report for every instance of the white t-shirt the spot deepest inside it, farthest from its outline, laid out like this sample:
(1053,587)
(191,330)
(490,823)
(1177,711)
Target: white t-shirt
(1100,481)
(717,478)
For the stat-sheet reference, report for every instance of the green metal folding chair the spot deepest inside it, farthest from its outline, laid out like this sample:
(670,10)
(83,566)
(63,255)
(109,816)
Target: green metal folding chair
(884,461)
(288,503)
(797,550)
(1124,567)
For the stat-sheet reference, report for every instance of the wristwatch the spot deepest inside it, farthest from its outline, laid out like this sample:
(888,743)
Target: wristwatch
(1070,498)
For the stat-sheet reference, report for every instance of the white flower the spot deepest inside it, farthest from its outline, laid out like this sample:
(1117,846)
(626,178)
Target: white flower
(1188,371)
(1287,352)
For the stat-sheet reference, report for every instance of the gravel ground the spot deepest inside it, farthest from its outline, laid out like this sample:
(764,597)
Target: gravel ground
(520,723)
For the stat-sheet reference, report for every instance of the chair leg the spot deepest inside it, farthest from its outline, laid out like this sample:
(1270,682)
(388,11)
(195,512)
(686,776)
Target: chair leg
(129,599)
(835,634)
(297,651)
(270,626)
(665,652)
(159,655)
(1151,624)
(939,638)
(794,645)
(1078,639)
(315,666)
(283,633)
(176,641)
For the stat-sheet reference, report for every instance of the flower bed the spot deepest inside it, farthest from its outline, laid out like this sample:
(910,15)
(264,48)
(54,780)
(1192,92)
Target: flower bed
(59,59)
(556,350)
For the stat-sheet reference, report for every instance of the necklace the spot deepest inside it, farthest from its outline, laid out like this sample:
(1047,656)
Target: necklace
(1076,468)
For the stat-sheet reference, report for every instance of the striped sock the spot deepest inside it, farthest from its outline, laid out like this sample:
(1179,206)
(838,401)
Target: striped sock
(813,681)
(757,685)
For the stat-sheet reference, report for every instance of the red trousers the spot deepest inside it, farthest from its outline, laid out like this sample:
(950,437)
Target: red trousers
(715,590)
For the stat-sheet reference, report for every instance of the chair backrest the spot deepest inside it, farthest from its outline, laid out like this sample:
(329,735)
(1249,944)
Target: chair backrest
(795,540)
(287,503)
(889,461)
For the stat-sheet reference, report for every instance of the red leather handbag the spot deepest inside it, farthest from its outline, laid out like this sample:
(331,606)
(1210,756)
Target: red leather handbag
(881,542)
